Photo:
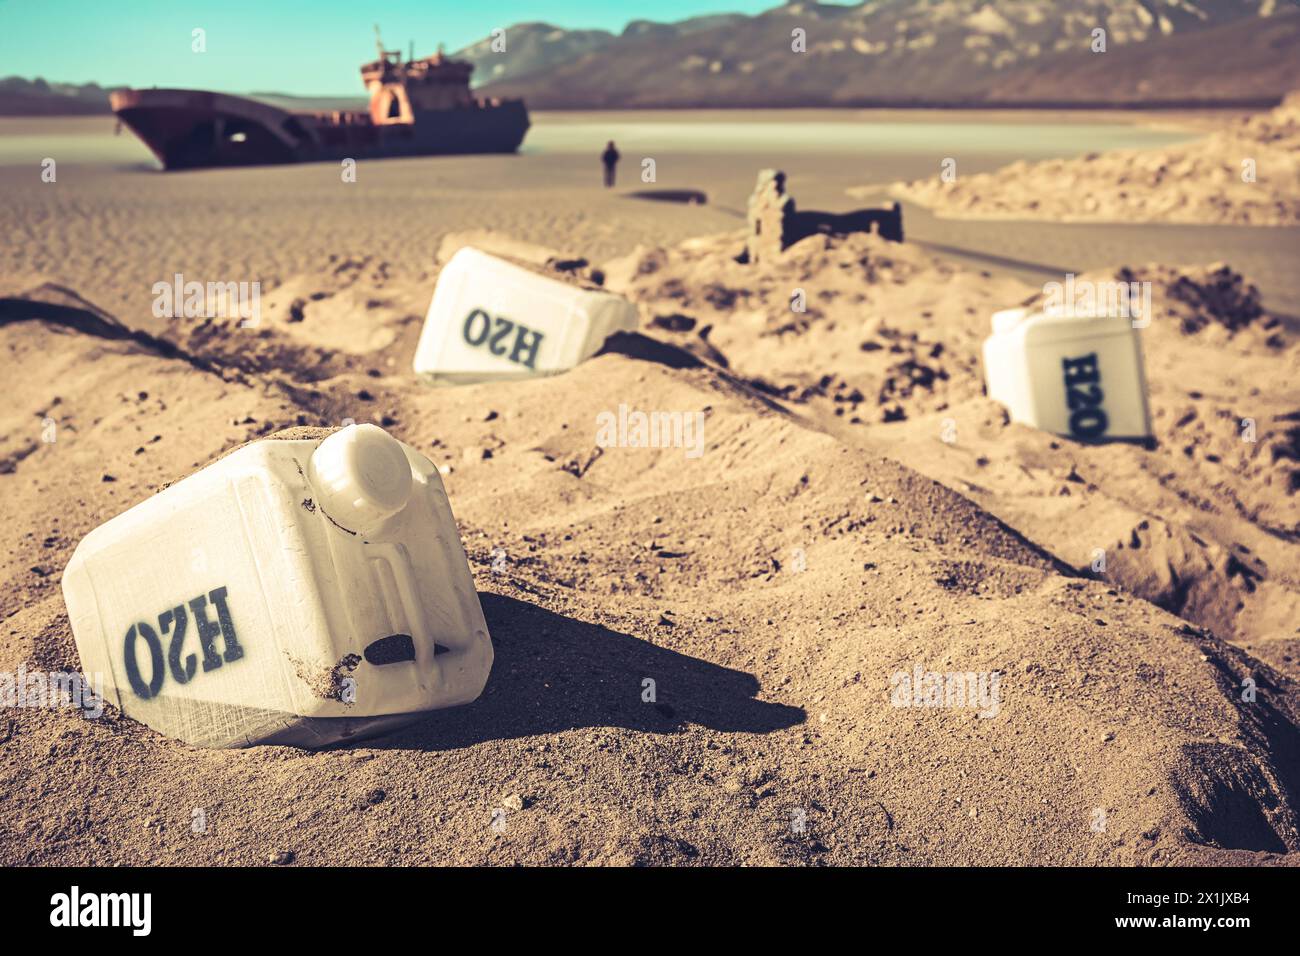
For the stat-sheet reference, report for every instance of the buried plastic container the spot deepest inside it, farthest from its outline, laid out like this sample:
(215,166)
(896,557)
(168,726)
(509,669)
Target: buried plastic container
(295,591)
(1075,375)
(492,319)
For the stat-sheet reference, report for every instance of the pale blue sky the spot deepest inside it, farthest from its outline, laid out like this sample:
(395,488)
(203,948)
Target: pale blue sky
(291,46)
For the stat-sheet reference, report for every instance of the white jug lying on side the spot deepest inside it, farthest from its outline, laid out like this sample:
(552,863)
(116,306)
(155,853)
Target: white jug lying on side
(1075,375)
(294,591)
(493,319)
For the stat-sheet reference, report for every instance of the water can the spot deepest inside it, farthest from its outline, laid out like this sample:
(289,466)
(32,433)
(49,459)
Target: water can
(1080,376)
(296,590)
(493,319)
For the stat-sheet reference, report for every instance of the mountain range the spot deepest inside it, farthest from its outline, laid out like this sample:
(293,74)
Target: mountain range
(20,97)
(911,52)
(876,53)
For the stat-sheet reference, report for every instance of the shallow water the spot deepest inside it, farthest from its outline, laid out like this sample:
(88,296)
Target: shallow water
(1032,136)
(864,132)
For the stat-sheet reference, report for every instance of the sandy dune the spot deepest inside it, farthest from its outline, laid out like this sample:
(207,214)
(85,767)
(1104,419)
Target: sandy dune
(1204,524)
(1246,173)
(827,540)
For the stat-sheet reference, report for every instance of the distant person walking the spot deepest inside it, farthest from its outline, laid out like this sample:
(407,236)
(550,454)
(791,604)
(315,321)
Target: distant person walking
(610,159)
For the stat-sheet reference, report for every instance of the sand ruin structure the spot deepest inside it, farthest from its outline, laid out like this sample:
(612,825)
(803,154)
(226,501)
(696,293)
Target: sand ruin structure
(775,224)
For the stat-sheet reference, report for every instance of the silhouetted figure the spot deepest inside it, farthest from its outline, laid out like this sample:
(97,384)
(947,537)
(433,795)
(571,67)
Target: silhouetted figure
(610,158)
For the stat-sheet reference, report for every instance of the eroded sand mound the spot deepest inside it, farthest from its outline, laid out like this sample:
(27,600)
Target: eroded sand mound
(1246,174)
(887,356)
(773,588)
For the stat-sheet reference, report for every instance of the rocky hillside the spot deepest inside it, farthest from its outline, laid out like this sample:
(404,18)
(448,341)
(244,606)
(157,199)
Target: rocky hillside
(20,97)
(876,53)
(902,52)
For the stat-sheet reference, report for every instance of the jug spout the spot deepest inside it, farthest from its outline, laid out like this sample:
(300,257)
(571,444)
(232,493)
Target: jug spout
(361,477)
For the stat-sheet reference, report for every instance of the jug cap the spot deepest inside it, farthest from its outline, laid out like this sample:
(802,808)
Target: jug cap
(1007,319)
(361,477)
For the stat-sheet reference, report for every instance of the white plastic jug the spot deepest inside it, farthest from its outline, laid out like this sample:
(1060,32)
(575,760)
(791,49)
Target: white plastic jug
(491,319)
(1075,375)
(294,591)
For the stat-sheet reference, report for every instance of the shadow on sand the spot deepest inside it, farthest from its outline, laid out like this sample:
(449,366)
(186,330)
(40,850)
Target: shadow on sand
(689,197)
(553,673)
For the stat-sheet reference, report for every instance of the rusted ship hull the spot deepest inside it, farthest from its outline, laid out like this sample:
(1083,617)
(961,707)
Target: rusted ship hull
(190,129)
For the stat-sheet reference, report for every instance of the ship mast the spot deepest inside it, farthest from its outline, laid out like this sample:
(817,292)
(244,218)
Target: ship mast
(389,58)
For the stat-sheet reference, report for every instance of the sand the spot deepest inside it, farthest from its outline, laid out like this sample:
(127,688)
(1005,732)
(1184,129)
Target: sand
(1247,172)
(827,540)
(1203,524)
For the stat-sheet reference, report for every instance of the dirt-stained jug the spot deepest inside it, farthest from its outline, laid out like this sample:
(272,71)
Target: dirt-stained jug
(493,319)
(297,590)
